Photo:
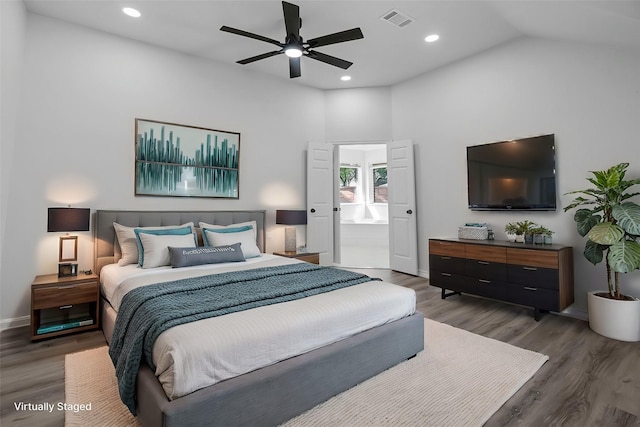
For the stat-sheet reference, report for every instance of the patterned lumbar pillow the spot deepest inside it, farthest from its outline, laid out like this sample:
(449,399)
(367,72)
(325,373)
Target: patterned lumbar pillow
(184,257)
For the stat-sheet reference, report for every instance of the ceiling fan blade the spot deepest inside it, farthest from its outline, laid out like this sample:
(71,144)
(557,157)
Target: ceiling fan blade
(328,59)
(250,35)
(259,57)
(291,19)
(340,37)
(294,68)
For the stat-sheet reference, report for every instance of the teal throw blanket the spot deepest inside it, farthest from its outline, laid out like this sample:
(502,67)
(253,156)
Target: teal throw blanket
(147,311)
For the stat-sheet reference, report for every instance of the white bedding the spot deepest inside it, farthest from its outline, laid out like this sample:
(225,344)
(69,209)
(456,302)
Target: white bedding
(196,355)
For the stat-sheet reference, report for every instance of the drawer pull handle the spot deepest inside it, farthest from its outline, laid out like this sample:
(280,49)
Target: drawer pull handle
(483,262)
(65,307)
(445,257)
(65,287)
(446,274)
(530,289)
(530,268)
(484,281)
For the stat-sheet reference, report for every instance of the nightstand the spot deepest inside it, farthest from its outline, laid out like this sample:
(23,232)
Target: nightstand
(63,305)
(312,257)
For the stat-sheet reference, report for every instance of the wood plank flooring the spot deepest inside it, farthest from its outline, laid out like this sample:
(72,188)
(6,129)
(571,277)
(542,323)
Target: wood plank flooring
(588,381)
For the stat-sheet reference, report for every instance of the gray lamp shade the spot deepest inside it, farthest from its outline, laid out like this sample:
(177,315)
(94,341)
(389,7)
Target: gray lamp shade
(291,217)
(68,219)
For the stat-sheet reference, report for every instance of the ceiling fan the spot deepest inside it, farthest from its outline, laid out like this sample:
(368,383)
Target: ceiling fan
(295,47)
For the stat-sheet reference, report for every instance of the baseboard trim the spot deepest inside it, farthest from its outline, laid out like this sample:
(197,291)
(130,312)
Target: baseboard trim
(575,313)
(16,322)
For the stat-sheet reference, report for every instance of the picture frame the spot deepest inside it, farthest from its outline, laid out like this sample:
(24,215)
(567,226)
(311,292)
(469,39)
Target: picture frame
(185,161)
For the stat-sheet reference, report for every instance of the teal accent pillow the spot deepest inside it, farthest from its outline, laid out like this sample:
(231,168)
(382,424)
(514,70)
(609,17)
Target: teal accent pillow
(185,257)
(158,232)
(223,230)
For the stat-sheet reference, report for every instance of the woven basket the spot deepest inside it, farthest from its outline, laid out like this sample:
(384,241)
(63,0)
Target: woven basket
(473,233)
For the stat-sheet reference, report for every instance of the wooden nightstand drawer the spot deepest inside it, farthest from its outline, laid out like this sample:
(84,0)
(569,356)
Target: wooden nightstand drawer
(60,295)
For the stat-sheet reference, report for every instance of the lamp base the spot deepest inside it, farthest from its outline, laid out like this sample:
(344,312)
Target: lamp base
(290,239)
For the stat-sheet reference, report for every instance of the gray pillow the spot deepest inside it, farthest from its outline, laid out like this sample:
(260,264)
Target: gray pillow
(185,257)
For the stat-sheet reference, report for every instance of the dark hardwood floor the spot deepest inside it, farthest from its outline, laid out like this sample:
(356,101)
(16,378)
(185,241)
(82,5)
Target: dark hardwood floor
(588,381)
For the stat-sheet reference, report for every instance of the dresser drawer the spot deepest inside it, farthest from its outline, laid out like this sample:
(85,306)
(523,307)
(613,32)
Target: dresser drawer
(446,280)
(486,270)
(543,299)
(532,257)
(485,253)
(446,263)
(60,295)
(486,288)
(438,247)
(533,276)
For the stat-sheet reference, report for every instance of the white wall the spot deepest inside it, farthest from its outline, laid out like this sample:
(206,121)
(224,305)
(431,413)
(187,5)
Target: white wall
(358,114)
(589,96)
(13,17)
(74,142)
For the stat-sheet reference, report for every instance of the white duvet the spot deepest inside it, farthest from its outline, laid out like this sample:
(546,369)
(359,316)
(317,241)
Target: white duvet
(199,354)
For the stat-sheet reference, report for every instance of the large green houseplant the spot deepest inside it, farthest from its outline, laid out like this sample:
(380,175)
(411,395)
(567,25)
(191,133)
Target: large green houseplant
(611,223)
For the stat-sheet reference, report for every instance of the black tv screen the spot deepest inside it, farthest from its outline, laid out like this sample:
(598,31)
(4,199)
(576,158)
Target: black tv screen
(513,175)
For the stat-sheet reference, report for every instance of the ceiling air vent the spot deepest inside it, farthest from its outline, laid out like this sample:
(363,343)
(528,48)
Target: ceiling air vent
(397,18)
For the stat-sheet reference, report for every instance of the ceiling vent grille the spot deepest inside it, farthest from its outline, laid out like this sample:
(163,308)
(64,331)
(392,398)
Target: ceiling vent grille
(397,18)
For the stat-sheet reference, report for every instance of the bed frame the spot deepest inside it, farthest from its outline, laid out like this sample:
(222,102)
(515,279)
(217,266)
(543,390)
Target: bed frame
(276,393)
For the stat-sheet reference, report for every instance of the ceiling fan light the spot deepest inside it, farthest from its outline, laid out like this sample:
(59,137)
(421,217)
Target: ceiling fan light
(131,12)
(293,52)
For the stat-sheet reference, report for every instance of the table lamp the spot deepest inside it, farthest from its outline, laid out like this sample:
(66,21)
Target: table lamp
(66,220)
(290,217)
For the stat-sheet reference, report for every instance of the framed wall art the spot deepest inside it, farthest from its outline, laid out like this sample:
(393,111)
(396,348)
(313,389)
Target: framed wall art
(185,161)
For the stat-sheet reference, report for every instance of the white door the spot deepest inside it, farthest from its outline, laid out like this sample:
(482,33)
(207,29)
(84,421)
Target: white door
(320,190)
(337,238)
(403,230)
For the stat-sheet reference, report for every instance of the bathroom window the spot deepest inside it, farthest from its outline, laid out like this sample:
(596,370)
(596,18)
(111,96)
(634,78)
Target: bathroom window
(379,181)
(349,183)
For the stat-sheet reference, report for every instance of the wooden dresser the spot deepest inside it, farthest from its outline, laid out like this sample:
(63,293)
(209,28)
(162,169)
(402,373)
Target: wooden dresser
(538,276)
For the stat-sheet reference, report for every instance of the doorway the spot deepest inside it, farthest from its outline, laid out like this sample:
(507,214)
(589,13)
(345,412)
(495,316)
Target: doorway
(362,190)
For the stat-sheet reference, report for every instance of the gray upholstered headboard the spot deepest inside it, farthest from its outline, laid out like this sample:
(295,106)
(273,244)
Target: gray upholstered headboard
(105,233)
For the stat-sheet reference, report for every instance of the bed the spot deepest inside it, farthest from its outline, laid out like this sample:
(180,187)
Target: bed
(280,390)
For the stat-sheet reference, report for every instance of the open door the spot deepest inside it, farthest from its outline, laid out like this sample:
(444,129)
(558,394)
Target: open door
(403,238)
(320,189)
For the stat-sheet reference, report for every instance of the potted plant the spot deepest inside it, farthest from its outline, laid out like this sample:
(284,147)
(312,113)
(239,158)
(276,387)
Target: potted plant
(611,223)
(523,234)
(511,230)
(548,237)
(538,234)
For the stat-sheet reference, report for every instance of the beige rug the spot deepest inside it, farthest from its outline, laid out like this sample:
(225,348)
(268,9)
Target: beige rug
(460,379)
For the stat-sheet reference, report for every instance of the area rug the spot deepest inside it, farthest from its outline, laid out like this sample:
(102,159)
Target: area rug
(461,379)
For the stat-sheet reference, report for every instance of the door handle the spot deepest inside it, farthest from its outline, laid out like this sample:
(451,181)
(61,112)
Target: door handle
(335,209)
(312,210)
(409,211)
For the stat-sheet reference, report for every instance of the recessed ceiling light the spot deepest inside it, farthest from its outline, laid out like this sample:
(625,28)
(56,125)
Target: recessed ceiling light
(131,12)
(345,78)
(431,38)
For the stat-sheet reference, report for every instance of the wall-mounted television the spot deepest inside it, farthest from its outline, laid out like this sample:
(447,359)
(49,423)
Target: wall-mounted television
(513,175)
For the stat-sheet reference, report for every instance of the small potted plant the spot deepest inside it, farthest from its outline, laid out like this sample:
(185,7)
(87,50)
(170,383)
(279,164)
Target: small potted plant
(611,224)
(538,234)
(548,236)
(511,230)
(523,234)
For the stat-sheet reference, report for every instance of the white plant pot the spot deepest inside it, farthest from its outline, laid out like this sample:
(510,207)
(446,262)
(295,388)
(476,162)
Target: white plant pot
(511,237)
(615,319)
(519,238)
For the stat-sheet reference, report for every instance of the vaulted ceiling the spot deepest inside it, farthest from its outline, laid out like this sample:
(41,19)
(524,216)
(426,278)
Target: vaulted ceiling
(388,54)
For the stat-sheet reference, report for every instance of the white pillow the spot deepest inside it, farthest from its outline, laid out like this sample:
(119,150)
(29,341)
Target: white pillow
(253,224)
(128,243)
(156,247)
(246,239)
